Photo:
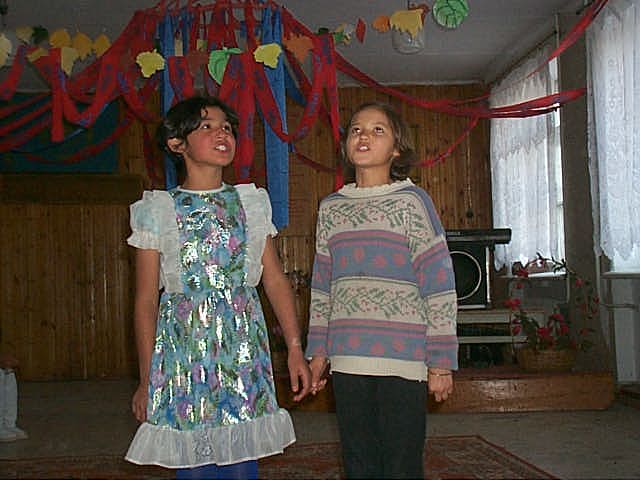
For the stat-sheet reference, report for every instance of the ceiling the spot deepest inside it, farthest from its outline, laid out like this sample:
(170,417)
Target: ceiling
(493,36)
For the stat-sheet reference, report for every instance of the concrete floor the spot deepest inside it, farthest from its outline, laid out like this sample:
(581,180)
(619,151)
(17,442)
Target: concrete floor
(87,418)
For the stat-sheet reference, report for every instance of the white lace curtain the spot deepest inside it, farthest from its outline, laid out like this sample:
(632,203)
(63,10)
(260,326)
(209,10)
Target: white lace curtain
(525,167)
(613,45)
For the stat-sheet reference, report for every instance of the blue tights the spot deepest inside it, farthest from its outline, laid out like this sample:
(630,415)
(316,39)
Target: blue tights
(237,471)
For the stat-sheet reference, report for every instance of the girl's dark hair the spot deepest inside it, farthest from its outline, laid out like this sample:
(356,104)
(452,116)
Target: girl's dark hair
(184,117)
(402,164)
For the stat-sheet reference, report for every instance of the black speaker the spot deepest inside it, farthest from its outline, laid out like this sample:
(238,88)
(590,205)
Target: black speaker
(470,265)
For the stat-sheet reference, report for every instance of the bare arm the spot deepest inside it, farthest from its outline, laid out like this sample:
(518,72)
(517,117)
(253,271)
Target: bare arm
(280,295)
(145,318)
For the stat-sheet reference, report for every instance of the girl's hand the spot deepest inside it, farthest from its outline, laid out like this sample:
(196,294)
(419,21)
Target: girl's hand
(298,371)
(139,402)
(318,379)
(440,383)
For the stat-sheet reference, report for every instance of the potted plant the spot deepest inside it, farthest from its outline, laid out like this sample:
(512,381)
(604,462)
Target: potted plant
(552,346)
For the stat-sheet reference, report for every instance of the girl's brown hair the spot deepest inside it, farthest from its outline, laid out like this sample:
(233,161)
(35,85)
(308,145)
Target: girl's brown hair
(402,164)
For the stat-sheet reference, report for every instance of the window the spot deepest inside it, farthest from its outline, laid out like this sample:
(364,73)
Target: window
(526,168)
(613,46)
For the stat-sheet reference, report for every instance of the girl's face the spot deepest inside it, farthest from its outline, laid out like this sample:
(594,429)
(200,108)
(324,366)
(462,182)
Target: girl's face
(371,141)
(211,144)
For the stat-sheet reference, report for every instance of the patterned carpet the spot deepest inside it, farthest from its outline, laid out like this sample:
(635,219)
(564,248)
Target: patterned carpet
(460,457)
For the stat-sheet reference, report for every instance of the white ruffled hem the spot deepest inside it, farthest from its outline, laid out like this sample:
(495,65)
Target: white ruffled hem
(170,448)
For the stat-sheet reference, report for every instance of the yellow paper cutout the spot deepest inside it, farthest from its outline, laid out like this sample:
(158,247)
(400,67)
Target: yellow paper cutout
(381,24)
(407,21)
(201,44)
(83,45)
(101,44)
(60,38)
(68,56)
(24,34)
(150,62)
(5,49)
(268,54)
(36,54)
(299,45)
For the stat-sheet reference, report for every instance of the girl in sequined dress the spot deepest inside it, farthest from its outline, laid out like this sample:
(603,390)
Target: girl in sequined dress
(206,397)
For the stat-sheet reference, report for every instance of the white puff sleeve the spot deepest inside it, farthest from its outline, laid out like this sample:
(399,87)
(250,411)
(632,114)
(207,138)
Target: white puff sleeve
(257,207)
(154,227)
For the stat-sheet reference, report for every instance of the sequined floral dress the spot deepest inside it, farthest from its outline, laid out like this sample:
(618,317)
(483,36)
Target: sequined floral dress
(211,389)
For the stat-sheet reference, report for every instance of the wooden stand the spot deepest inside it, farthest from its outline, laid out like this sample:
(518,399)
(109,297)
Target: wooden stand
(494,390)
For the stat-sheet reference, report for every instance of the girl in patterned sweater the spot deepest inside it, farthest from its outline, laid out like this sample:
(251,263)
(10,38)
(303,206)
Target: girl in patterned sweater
(206,397)
(383,302)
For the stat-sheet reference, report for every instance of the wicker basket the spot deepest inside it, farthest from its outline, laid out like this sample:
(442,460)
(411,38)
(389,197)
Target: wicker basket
(546,360)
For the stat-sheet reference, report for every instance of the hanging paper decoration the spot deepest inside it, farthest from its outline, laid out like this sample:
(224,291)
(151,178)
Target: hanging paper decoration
(344,32)
(36,54)
(60,38)
(101,44)
(39,35)
(5,49)
(382,24)
(450,13)
(299,45)
(83,45)
(361,28)
(410,21)
(24,34)
(268,54)
(218,60)
(150,62)
(68,57)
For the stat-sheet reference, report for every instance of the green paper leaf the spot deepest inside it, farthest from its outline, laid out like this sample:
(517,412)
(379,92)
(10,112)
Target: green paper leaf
(40,34)
(450,13)
(218,60)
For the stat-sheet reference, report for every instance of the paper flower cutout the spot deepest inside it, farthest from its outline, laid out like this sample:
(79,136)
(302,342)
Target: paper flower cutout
(68,56)
(5,49)
(450,13)
(218,60)
(24,34)
(101,44)
(381,24)
(83,45)
(60,38)
(409,21)
(268,54)
(150,62)
(299,45)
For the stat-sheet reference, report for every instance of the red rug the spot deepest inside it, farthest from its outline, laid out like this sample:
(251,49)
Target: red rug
(460,457)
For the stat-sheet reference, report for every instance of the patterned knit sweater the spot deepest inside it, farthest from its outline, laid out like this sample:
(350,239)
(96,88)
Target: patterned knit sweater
(383,298)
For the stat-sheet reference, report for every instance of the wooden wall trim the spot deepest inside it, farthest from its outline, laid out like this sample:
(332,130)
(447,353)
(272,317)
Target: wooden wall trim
(77,189)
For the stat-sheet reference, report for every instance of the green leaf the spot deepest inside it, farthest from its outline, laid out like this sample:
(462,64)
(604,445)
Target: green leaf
(450,13)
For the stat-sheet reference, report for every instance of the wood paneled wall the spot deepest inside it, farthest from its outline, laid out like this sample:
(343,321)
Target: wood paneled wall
(67,275)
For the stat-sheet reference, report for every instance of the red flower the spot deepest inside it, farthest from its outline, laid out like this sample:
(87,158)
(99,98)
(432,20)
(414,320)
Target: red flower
(513,303)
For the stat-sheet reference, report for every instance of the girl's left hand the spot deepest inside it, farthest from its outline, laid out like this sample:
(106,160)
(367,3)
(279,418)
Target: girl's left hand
(298,372)
(440,384)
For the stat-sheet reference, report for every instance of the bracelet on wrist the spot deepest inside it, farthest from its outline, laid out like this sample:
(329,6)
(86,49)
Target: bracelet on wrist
(294,342)
(435,374)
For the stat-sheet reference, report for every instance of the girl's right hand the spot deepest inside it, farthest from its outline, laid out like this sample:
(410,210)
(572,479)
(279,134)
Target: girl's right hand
(318,366)
(139,403)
